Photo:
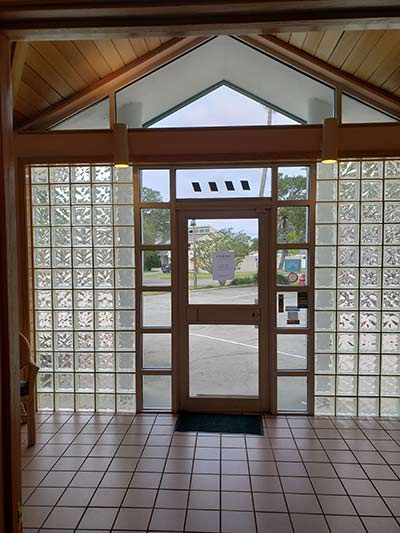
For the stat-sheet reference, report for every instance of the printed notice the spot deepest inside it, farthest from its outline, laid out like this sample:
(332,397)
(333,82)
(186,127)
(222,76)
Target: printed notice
(223,266)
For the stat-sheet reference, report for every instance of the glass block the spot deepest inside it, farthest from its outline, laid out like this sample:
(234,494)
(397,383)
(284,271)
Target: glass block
(348,213)
(371,212)
(349,169)
(369,321)
(325,256)
(63,341)
(292,393)
(85,402)
(60,194)
(64,382)
(43,279)
(371,190)
(62,299)
(156,226)
(102,173)
(371,255)
(325,299)
(62,258)
(292,309)
(325,234)
(124,236)
(324,385)
(327,171)
(45,382)
(347,277)
(347,299)
(103,257)
(390,364)
(105,340)
(104,278)
(45,402)
(81,236)
(370,278)
(368,386)
(102,194)
(84,382)
(326,191)
(105,403)
(292,352)
(105,320)
(392,189)
(372,169)
(123,174)
(368,407)
(61,236)
(126,383)
(391,256)
(391,321)
(124,299)
(43,300)
(80,174)
(40,194)
(126,403)
(125,341)
(103,237)
(392,212)
(346,385)
(84,362)
(347,256)
(391,299)
(105,382)
(156,309)
(324,363)
(59,174)
(125,320)
(157,392)
(64,402)
(123,215)
(83,299)
(349,191)
(346,363)
(64,361)
(392,169)
(371,234)
(105,362)
(391,277)
(61,216)
(347,342)
(324,342)
(81,194)
(41,237)
(369,342)
(324,406)
(123,194)
(392,234)
(104,299)
(125,257)
(102,215)
(347,321)
(325,278)
(39,174)
(124,278)
(370,299)
(45,360)
(42,258)
(84,341)
(62,279)
(346,406)
(325,320)
(40,216)
(390,386)
(368,363)
(326,213)
(83,257)
(390,407)
(83,278)
(125,362)
(390,343)
(156,350)
(348,233)
(84,319)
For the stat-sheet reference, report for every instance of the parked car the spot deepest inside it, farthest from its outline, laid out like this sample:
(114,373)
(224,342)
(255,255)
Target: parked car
(166,268)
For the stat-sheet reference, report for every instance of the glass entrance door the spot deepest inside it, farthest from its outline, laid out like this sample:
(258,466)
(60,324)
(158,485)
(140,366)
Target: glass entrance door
(222,310)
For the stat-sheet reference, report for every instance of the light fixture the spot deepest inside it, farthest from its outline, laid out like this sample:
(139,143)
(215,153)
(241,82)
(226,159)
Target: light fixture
(329,151)
(121,147)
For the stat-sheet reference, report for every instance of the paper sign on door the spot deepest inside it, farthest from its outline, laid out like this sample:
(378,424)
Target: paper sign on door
(223,266)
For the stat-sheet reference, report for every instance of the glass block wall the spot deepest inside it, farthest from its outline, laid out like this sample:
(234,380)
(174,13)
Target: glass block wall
(357,289)
(84,302)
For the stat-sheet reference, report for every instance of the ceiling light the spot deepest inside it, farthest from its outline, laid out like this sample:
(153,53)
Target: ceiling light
(329,150)
(121,148)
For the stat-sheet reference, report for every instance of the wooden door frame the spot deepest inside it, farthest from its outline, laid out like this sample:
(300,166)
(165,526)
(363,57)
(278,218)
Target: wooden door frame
(223,209)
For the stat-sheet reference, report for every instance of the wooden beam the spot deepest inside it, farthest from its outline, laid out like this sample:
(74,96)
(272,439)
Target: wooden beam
(10,462)
(18,63)
(102,19)
(102,88)
(253,144)
(325,72)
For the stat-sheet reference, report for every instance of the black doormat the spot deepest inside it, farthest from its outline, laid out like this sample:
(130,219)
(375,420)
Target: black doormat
(213,423)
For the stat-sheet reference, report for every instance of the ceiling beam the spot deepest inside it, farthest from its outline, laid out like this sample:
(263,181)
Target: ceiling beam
(18,62)
(88,19)
(326,73)
(104,87)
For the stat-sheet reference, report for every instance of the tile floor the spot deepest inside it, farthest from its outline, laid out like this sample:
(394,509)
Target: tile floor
(100,473)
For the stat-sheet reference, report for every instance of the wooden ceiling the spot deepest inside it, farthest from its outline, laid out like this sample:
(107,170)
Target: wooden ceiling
(49,72)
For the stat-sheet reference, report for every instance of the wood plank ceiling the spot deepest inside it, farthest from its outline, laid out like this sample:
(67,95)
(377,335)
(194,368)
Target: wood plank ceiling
(54,70)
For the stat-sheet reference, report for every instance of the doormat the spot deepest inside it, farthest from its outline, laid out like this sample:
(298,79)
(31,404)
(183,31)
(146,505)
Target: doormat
(216,423)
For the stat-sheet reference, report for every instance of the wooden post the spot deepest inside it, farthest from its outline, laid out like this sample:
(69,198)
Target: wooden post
(10,463)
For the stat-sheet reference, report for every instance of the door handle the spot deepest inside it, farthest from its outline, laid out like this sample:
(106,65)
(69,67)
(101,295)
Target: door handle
(256,315)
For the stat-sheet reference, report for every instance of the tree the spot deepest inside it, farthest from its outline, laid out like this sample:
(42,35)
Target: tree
(225,240)
(151,260)
(155,222)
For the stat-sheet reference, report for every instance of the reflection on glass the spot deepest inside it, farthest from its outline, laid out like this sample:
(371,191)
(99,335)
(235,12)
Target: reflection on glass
(292,352)
(157,392)
(209,271)
(155,226)
(292,267)
(293,183)
(292,309)
(292,393)
(156,349)
(156,309)
(156,268)
(223,360)
(154,185)
(292,224)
